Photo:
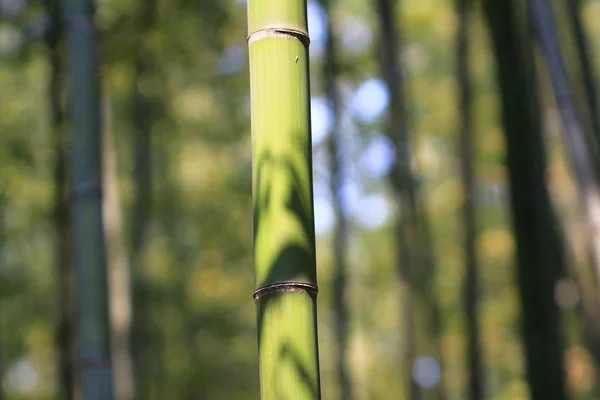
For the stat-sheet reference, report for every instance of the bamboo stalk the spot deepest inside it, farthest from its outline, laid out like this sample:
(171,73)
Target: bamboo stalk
(466,149)
(284,237)
(61,214)
(119,270)
(90,258)
(576,141)
(586,63)
(415,260)
(143,339)
(538,253)
(340,235)
(397,131)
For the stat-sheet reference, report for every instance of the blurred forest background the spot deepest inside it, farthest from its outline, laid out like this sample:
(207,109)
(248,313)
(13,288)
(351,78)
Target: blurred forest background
(178,206)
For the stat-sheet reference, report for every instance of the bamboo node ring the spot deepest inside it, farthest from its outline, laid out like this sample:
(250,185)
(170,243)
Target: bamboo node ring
(279,32)
(285,287)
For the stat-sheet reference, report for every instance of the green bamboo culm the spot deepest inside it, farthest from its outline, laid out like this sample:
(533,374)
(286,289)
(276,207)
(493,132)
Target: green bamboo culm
(284,238)
(90,258)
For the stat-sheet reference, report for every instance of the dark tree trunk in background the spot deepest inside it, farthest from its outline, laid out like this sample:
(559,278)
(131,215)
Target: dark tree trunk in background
(538,245)
(88,230)
(64,337)
(416,264)
(579,147)
(142,121)
(576,140)
(587,65)
(471,286)
(340,236)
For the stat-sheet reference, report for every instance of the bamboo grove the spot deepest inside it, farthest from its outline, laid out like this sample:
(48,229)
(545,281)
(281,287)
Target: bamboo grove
(299,199)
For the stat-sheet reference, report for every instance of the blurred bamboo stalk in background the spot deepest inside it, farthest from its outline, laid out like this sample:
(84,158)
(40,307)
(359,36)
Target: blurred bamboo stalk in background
(587,65)
(538,246)
(576,141)
(340,234)
(415,254)
(397,131)
(88,231)
(471,285)
(579,149)
(64,330)
(284,235)
(118,269)
(142,337)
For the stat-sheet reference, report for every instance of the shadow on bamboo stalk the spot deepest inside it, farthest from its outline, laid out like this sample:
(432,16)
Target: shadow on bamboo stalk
(290,315)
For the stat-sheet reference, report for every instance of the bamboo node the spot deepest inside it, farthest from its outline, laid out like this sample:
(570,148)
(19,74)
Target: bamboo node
(286,287)
(279,32)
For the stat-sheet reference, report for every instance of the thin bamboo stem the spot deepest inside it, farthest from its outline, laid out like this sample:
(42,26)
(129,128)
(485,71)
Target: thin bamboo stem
(415,259)
(466,150)
(340,235)
(64,337)
(119,270)
(143,339)
(88,231)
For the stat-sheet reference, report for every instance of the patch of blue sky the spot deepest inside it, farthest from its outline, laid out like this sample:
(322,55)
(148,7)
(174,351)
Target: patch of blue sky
(350,193)
(372,211)
(324,214)
(378,157)
(321,119)
(357,36)
(369,100)
(232,60)
(317,28)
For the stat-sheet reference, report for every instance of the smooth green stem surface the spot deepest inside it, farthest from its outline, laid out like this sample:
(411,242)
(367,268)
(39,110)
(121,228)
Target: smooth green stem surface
(284,236)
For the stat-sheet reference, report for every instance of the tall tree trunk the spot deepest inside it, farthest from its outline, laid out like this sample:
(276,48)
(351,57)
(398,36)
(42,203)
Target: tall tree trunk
(539,259)
(579,148)
(586,63)
(119,271)
(88,231)
(284,235)
(142,121)
(466,149)
(576,141)
(61,214)
(416,264)
(340,235)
